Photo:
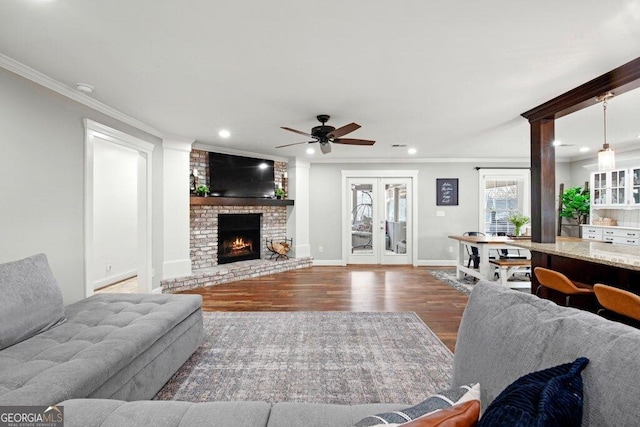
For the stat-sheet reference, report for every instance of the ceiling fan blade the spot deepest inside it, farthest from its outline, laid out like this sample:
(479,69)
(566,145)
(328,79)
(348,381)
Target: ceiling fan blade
(343,130)
(351,141)
(325,148)
(295,143)
(296,131)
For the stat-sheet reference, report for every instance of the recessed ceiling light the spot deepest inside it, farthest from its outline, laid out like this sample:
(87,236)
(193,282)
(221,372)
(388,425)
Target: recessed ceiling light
(557,143)
(583,149)
(224,133)
(412,151)
(84,87)
(310,150)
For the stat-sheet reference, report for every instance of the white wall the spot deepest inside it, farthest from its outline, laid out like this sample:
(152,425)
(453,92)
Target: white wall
(433,243)
(115,221)
(42,178)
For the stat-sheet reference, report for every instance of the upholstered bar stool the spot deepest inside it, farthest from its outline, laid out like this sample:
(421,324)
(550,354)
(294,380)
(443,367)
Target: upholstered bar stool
(559,282)
(618,301)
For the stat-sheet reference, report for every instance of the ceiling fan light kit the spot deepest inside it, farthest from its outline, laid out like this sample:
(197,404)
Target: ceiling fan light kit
(324,134)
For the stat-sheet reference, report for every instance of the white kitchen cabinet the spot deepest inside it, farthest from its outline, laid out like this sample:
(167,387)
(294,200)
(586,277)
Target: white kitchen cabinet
(610,188)
(613,234)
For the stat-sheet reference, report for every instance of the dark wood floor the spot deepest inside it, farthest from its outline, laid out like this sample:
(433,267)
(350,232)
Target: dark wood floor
(352,288)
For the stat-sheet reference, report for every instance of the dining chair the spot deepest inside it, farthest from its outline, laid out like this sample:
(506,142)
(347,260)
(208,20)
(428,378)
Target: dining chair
(472,251)
(557,281)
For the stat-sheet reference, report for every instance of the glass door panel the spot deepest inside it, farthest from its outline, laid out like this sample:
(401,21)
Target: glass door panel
(363,220)
(396,224)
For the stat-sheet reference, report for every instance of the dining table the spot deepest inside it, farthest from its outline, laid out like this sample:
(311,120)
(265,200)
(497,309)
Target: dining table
(484,244)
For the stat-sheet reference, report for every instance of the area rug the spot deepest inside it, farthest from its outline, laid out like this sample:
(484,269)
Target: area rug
(317,357)
(518,281)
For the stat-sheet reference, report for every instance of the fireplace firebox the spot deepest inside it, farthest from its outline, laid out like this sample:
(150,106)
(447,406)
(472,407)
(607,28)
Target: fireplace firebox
(238,237)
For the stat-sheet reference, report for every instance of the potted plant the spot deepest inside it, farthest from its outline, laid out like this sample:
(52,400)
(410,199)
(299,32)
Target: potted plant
(202,190)
(576,204)
(280,194)
(518,220)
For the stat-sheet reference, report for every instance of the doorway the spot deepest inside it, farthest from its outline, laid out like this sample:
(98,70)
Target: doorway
(379,218)
(96,133)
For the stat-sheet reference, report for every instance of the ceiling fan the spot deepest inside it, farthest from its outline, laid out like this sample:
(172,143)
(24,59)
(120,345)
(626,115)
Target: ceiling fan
(324,134)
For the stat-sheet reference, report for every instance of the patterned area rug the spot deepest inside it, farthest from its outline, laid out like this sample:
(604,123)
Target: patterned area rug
(318,357)
(519,281)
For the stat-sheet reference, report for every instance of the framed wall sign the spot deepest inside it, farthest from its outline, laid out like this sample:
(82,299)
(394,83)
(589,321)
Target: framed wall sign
(447,191)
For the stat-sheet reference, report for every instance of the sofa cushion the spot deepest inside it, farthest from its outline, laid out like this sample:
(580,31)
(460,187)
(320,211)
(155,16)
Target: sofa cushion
(102,336)
(31,299)
(441,400)
(116,413)
(551,397)
(287,414)
(505,334)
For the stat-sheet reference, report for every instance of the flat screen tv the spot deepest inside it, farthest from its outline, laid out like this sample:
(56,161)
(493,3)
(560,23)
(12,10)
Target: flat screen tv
(237,176)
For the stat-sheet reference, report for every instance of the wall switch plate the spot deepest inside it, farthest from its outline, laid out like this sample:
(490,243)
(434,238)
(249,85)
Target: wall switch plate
(439,213)
(320,249)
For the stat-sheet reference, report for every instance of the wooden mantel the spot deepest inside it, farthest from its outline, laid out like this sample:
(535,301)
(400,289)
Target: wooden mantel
(542,122)
(239,201)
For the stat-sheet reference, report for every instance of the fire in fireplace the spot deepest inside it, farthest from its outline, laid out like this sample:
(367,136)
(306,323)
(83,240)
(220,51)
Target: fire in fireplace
(238,237)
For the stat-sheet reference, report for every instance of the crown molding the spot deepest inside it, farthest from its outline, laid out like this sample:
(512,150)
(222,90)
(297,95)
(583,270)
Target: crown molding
(427,160)
(56,86)
(178,144)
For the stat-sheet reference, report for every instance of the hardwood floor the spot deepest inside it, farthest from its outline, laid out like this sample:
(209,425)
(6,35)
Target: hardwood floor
(352,288)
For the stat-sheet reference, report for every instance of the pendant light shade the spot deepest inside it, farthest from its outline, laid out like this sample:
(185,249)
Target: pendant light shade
(606,155)
(606,158)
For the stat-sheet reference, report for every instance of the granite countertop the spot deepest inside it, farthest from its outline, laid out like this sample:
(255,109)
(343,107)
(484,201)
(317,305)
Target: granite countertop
(622,256)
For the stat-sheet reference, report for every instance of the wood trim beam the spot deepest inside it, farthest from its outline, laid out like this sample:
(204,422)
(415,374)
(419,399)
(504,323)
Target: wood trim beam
(620,80)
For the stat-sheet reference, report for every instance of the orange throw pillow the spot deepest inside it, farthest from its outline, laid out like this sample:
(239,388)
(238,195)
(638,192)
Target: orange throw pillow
(462,415)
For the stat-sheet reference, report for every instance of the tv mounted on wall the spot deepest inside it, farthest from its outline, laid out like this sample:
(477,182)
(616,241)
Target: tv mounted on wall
(237,176)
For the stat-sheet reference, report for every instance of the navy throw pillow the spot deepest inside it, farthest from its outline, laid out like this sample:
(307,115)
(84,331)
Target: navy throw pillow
(552,397)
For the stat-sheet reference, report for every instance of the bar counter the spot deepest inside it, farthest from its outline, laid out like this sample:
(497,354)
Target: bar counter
(622,256)
(587,261)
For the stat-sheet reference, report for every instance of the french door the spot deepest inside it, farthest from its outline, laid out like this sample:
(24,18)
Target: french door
(379,226)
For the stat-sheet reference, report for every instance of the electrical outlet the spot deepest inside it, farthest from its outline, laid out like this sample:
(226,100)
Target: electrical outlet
(109,266)
(450,248)
(320,249)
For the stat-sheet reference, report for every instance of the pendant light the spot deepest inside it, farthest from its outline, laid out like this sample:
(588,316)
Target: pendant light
(606,155)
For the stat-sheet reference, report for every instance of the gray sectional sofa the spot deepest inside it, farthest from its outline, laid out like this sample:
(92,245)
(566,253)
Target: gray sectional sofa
(115,346)
(504,334)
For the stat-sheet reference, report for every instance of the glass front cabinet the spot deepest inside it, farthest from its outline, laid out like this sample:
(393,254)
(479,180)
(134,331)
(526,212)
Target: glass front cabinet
(615,188)
(634,197)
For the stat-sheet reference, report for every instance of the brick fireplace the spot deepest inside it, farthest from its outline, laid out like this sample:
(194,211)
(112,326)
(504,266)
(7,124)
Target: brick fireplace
(204,230)
(205,213)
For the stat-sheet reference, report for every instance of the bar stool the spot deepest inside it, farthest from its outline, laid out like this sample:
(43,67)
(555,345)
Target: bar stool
(618,301)
(559,282)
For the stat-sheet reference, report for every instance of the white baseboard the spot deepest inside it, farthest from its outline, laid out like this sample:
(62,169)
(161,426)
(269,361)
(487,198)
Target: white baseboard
(328,262)
(436,263)
(114,279)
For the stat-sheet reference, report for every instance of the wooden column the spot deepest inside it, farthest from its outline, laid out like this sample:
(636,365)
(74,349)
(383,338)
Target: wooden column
(543,181)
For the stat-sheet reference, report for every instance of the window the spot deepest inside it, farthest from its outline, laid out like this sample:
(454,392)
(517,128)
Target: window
(502,192)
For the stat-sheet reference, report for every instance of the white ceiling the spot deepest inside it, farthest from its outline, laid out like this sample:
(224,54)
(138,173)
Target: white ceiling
(449,78)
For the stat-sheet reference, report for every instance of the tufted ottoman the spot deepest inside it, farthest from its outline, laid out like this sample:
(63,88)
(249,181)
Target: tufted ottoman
(120,346)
